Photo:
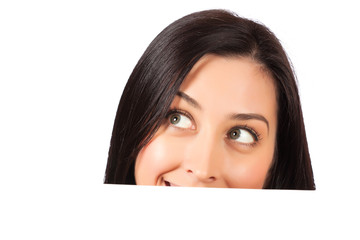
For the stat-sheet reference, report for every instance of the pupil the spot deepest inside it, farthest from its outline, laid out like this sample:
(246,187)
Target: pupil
(235,134)
(175,119)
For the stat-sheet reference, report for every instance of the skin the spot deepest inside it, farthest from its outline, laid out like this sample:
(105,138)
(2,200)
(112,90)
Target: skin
(194,148)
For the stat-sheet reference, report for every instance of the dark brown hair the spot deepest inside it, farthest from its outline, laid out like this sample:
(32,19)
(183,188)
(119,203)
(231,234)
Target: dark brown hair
(162,68)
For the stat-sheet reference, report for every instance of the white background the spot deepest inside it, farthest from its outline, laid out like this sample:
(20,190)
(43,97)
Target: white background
(63,66)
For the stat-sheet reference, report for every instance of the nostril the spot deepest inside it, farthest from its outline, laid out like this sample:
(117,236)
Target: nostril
(198,175)
(212,178)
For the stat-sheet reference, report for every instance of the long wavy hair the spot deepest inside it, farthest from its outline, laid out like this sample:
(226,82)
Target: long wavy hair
(164,65)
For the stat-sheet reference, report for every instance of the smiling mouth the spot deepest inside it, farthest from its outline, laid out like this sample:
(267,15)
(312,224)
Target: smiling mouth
(169,184)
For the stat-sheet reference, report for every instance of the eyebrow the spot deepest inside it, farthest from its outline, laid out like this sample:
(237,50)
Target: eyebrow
(189,99)
(235,116)
(250,116)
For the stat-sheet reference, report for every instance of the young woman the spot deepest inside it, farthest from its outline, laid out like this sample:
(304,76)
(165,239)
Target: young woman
(213,102)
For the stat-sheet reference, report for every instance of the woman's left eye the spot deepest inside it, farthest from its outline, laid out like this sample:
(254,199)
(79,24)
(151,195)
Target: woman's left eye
(242,135)
(180,120)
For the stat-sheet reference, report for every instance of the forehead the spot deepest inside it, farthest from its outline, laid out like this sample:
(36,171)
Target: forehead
(235,84)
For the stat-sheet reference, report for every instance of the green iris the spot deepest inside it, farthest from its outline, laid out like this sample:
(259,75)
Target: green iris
(234,134)
(175,118)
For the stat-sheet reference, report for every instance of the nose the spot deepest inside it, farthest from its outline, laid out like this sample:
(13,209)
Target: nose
(203,162)
(202,176)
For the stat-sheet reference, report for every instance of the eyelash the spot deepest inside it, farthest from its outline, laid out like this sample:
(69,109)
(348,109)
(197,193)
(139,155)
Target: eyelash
(175,110)
(252,131)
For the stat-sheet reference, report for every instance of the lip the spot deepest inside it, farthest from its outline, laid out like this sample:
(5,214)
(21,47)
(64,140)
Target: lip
(170,184)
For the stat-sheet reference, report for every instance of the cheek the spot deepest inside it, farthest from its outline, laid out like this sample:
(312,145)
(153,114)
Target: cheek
(156,158)
(251,171)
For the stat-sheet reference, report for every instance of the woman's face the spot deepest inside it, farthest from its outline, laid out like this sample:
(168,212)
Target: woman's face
(219,132)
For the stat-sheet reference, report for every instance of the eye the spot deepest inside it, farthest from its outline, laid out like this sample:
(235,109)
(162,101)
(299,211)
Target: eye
(180,120)
(243,135)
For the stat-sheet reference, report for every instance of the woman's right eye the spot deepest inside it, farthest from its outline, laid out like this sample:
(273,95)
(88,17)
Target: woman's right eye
(180,120)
